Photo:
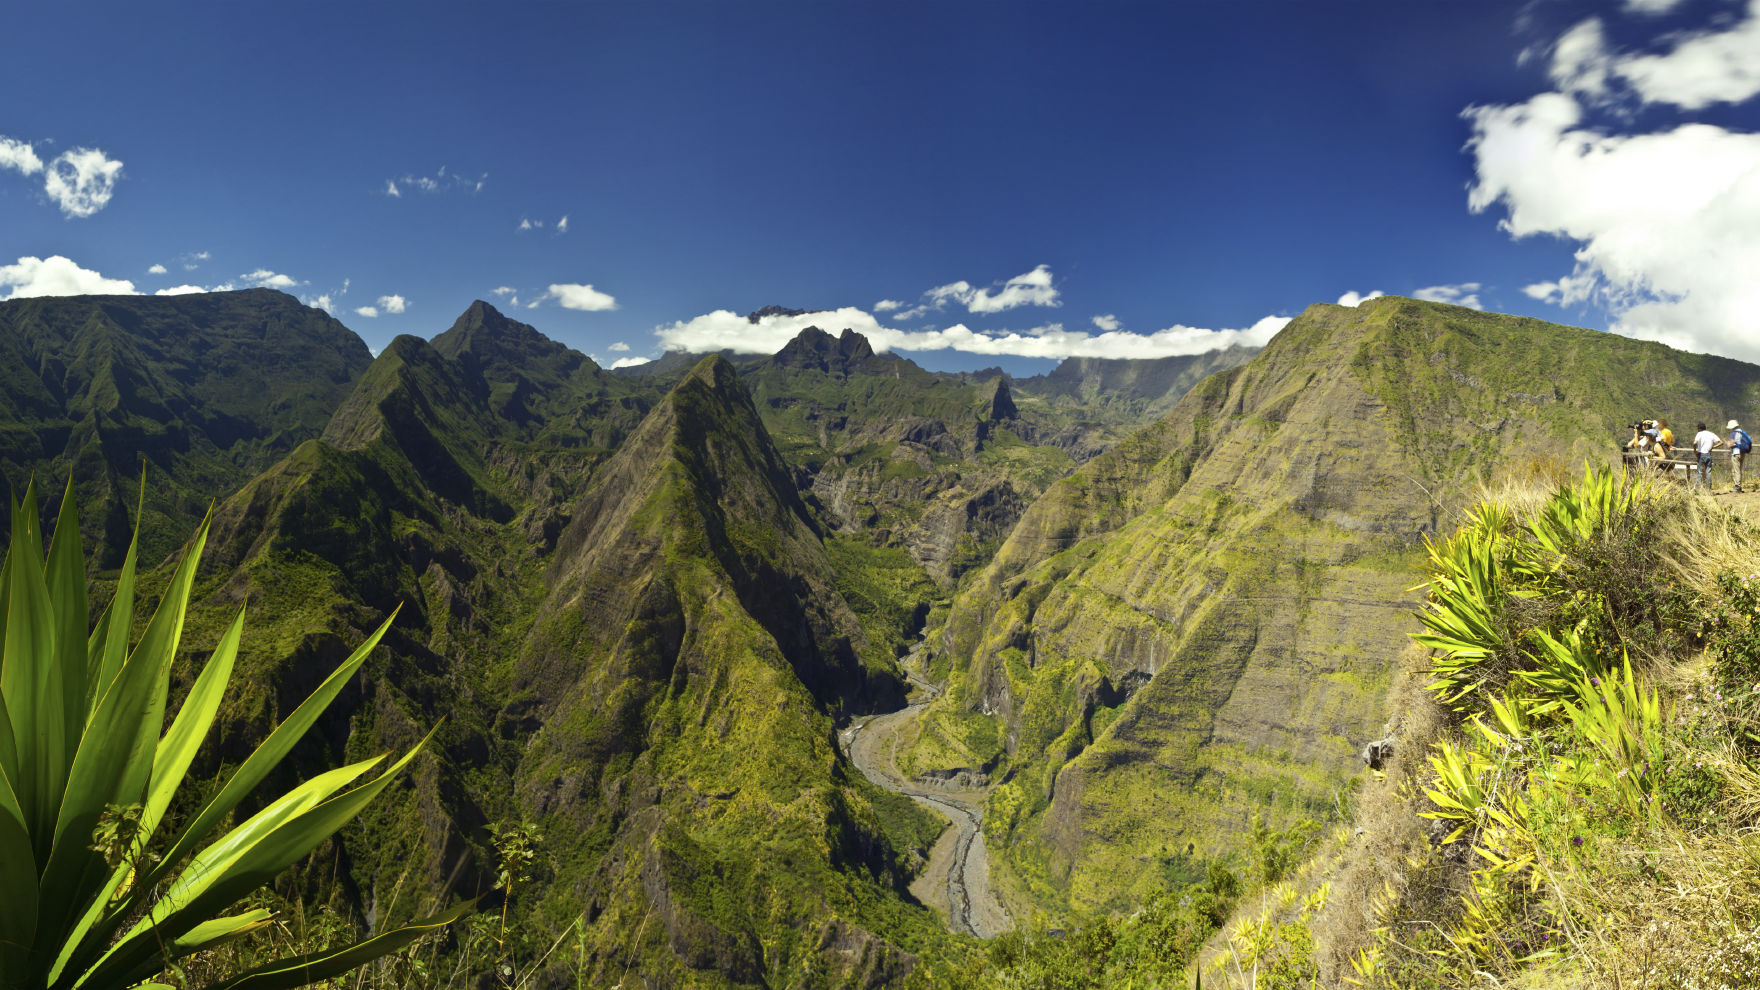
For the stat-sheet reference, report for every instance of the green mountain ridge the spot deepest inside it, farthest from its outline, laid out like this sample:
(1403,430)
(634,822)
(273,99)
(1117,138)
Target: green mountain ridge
(1200,624)
(207,390)
(641,608)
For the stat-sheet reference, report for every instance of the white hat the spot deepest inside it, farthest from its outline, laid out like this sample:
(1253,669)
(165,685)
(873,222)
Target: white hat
(1731,426)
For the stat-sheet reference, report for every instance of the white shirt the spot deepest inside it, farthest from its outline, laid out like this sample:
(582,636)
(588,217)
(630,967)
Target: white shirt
(1704,440)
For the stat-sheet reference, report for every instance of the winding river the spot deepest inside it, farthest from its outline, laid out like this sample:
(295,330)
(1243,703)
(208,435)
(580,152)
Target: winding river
(956,881)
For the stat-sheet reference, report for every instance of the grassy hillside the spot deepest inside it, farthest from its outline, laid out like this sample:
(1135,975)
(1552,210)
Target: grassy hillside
(1202,624)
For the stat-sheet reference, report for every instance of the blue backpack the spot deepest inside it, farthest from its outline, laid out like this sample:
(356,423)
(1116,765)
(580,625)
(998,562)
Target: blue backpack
(1743,442)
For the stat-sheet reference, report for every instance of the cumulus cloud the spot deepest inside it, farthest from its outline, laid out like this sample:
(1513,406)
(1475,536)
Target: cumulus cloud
(1465,294)
(887,305)
(628,362)
(319,302)
(1354,299)
(527,224)
(1033,288)
(1106,322)
(1666,220)
(620,346)
(179,290)
(81,181)
(441,181)
(58,276)
(504,290)
(393,304)
(20,156)
(263,278)
(156,270)
(562,225)
(585,297)
(367,311)
(724,329)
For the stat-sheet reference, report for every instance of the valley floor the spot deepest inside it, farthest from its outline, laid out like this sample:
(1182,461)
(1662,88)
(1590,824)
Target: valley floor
(956,881)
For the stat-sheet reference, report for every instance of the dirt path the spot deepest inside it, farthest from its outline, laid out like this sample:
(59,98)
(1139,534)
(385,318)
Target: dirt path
(957,879)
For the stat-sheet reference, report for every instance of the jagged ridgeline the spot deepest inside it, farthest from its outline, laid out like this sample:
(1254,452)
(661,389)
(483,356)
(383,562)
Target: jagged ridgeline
(1200,624)
(637,616)
(206,390)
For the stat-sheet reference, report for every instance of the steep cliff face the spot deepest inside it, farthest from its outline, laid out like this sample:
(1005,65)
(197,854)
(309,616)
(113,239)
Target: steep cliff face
(1201,622)
(681,679)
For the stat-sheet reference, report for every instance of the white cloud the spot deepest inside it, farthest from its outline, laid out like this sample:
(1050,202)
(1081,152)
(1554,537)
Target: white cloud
(1031,289)
(1465,294)
(321,302)
(887,305)
(367,311)
(629,362)
(526,224)
(562,225)
(1666,221)
(724,329)
(1651,6)
(620,346)
(393,304)
(263,278)
(81,181)
(440,181)
(910,314)
(179,290)
(534,303)
(584,297)
(58,276)
(20,156)
(1356,299)
(1107,322)
(156,270)
(504,290)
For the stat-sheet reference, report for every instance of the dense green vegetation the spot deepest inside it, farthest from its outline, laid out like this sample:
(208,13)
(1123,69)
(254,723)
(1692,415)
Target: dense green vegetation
(98,885)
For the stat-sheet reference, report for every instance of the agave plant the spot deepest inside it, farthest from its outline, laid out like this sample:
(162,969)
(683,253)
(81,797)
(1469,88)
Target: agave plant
(97,889)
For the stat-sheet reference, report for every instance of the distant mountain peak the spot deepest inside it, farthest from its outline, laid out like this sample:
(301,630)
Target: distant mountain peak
(499,344)
(813,348)
(775,311)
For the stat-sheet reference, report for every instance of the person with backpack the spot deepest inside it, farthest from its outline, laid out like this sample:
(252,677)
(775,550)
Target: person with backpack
(1739,445)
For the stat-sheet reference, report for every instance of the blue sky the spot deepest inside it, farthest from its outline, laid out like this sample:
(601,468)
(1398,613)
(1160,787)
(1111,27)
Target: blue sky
(1024,181)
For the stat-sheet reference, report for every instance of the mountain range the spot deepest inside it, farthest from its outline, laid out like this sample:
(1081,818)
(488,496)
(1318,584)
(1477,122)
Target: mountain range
(1164,596)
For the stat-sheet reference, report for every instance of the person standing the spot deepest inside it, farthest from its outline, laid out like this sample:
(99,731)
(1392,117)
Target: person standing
(1739,445)
(1704,442)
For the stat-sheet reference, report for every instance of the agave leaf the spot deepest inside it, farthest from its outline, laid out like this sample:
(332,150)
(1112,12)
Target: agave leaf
(178,748)
(211,933)
(66,576)
(298,971)
(114,627)
(25,677)
(115,757)
(205,888)
(266,756)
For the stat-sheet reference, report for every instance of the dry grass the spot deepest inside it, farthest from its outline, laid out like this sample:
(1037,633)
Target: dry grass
(1671,900)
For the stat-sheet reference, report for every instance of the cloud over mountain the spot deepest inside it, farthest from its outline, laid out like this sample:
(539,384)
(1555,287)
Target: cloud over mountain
(726,330)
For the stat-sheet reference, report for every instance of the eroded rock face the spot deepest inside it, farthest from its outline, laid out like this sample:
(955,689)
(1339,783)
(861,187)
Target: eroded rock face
(1248,561)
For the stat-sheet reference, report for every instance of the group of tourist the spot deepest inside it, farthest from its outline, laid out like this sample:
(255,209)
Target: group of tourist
(1653,442)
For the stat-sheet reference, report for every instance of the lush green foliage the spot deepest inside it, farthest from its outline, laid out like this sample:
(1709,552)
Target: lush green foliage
(97,887)
(1564,643)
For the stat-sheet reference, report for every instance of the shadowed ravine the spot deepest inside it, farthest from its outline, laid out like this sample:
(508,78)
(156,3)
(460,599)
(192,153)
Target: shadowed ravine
(956,880)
